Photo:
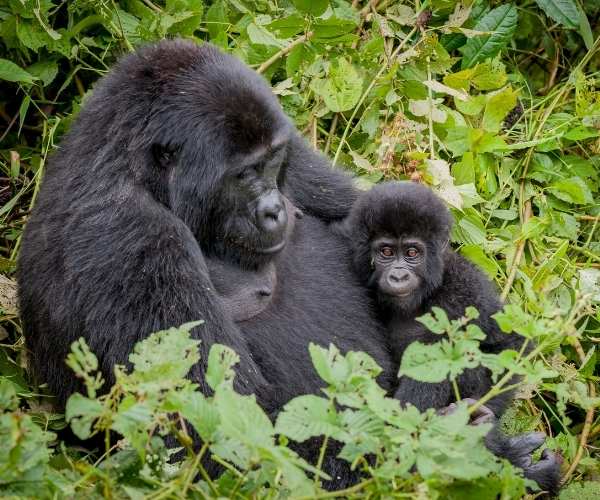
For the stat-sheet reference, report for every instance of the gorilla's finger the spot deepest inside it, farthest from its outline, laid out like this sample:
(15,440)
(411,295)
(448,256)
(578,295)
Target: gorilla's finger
(447,410)
(484,418)
(525,444)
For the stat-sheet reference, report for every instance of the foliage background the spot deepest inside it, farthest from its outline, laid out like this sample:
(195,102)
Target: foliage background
(493,103)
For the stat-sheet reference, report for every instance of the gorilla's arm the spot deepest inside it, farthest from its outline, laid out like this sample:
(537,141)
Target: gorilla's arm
(314,185)
(128,269)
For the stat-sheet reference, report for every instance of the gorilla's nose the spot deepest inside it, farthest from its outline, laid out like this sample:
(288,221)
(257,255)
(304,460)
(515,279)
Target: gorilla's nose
(271,215)
(397,276)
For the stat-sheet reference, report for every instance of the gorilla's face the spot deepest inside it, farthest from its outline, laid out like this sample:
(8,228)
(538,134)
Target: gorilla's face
(252,207)
(219,146)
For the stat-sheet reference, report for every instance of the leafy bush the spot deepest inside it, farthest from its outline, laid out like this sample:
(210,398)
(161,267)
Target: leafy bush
(494,104)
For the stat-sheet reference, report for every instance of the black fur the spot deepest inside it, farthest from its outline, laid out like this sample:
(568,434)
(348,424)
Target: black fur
(140,195)
(404,211)
(114,248)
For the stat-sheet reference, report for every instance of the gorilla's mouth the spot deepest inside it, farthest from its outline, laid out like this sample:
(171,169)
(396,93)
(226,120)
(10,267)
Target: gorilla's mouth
(272,249)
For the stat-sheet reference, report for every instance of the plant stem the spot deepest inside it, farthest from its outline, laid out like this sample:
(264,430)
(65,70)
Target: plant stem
(264,66)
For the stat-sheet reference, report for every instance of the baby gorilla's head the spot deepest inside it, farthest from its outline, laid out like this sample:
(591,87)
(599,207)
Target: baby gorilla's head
(399,232)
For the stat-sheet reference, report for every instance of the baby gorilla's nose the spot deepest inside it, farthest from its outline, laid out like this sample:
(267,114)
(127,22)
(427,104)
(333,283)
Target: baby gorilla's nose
(398,276)
(271,215)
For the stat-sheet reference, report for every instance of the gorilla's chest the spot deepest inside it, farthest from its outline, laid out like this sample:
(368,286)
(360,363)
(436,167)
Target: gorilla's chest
(317,299)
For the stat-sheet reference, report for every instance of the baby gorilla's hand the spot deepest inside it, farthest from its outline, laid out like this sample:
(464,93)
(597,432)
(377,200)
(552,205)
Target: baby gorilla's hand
(481,415)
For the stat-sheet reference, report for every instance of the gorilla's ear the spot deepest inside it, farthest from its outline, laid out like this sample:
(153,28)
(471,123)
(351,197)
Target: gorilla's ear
(164,156)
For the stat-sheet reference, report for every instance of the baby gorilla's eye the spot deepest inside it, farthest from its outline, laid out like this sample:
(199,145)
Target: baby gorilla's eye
(242,175)
(412,252)
(386,251)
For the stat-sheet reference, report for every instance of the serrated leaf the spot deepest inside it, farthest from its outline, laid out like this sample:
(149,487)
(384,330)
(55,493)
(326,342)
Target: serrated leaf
(307,416)
(502,22)
(243,419)
(166,355)
(425,363)
(342,88)
(564,12)
(10,72)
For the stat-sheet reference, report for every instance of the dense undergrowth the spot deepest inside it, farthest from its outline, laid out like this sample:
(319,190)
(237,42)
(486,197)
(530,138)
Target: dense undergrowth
(493,103)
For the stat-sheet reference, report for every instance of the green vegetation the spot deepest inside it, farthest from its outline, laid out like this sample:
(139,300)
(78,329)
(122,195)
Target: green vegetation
(493,103)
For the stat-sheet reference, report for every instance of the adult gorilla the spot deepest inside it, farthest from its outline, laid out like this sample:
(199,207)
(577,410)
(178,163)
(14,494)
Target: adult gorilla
(181,155)
(180,159)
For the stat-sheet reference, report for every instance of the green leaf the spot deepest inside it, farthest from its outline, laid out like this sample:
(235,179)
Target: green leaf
(216,19)
(342,88)
(498,105)
(425,363)
(476,255)
(259,35)
(11,72)
(307,416)
(502,22)
(564,12)
(314,7)
(574,190)
(45,70)
(585,30)
(243,419)
(166,355)
(81,413)
(221,360)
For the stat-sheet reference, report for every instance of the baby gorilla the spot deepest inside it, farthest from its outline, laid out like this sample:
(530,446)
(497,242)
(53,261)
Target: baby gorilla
(399,234)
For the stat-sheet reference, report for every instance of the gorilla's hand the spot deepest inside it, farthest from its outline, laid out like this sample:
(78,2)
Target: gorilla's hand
(518,450)
(481,415)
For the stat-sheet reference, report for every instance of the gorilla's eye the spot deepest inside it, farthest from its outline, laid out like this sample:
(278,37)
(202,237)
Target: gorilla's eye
(386,251)
(412,252)
(242,175)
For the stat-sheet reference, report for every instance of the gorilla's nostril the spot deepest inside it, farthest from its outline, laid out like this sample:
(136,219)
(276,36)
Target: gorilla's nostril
(399,276)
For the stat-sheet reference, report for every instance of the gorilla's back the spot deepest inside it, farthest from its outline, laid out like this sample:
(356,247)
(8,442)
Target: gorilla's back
(323,303)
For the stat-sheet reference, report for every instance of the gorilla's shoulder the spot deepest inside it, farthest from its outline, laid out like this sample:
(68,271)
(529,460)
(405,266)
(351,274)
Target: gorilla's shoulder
(467,284)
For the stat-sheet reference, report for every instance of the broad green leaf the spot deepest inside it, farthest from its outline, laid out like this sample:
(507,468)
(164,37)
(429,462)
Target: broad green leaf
(498,105)
(314,7)
(573,190)
(502,22)
(216,18)
(564,12)
(243,419)
(44,70)
(308,416)
(476,255)
(287,26)
(425,363)
(333,30)
(81,413)
(342,88)
(426,107)
(261,36)
(11,72)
